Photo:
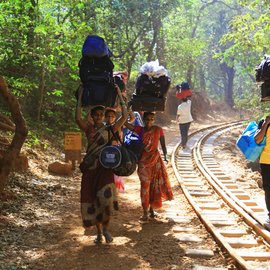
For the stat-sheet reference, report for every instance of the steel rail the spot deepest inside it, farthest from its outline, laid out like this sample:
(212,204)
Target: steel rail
(262,236)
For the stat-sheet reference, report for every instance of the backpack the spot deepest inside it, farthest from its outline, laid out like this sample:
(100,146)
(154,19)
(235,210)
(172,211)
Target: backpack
(95,46)
(183,90)
(152,86)
(263,70)
(183,93)
(89,66)
(97,81)
(98,91)
(247,144)
(183,86)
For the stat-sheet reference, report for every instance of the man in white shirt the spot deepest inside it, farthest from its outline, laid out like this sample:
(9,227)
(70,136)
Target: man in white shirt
(184,119)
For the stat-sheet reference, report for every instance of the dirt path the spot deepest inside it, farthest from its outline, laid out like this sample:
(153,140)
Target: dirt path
(41,227)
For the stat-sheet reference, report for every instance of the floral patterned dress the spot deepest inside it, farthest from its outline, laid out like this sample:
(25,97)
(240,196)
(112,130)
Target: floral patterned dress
(155,184)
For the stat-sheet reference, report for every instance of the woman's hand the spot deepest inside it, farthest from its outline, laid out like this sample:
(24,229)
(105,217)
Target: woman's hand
(166,159)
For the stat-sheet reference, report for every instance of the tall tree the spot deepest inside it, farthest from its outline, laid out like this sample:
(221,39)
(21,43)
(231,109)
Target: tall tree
(18,126)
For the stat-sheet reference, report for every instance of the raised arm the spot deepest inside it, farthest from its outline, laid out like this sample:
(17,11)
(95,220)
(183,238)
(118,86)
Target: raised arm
(78,113)
(121,121)
(131,115)
(259,136)
(129,126)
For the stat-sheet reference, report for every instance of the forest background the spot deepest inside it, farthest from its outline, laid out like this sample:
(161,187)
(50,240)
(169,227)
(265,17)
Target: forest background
(213,44)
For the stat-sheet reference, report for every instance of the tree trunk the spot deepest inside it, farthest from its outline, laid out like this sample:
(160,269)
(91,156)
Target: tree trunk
(20,135)
(196,23)
(202,80)
(229,74)
(160,43)
(190,73)
(41,92)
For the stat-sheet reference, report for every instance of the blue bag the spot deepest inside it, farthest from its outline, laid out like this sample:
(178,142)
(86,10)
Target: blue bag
(247,144)
(133,142)
(95,46)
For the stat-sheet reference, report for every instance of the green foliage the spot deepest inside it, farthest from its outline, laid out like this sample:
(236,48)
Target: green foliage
(250,31)
(32,140)
(197,40)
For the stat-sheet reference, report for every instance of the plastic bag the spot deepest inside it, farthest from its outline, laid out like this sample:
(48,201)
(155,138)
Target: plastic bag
(153,69)
(247,144)
(119,183)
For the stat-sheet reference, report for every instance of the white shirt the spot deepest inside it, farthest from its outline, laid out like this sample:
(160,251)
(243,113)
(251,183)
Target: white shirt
(184,112)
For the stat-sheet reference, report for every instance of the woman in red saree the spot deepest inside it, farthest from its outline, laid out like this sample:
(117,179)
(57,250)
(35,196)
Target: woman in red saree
(155,184)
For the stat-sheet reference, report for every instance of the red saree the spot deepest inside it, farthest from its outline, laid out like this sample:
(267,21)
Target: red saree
(155,185)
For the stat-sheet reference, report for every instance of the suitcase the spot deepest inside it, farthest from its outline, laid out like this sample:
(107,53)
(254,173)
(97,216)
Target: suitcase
(147,103)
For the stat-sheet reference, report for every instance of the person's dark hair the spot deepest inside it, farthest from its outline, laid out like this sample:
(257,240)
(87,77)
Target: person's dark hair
(148,113)
(184,99)
(185,86)
(109,110)
(97,108)
(118,80)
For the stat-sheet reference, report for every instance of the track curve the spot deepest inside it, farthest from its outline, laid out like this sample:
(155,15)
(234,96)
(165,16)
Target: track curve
(226,210)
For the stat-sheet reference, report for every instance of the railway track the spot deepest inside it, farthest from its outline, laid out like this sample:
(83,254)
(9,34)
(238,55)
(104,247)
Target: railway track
(227,210)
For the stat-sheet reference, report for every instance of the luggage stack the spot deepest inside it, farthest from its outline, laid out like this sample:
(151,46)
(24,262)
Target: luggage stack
(263,75)
(96,73)
(183,90)
(151,88)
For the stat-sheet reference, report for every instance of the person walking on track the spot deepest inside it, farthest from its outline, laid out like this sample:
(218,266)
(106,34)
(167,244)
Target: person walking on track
(184,119)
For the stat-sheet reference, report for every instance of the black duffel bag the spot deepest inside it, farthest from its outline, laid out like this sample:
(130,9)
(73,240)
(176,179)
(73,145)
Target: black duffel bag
(151,86)
(119,158)
(147,103)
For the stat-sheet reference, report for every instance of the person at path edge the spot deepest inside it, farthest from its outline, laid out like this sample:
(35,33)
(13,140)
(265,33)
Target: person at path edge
(263,131)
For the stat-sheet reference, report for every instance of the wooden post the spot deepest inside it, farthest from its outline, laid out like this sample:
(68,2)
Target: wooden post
(73,147)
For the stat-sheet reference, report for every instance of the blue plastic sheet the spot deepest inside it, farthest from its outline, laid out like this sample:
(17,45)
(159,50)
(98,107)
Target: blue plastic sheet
(247,144)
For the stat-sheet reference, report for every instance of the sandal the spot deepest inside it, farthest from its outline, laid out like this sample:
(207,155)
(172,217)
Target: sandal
(144,218)
(152,213)
(107,236)
(98,239)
